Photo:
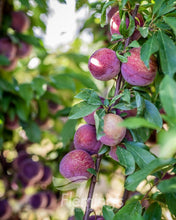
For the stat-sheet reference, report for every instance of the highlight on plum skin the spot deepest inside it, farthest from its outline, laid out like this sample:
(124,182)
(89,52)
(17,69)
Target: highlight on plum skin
(74,165)
(114,133)
(104,64)
(135,72)
(85,139)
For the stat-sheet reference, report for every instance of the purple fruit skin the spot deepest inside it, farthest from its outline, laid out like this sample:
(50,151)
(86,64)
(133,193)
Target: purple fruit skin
(85,139)
(23,50)
(135,72)
(38,200)
(7,48)
(90,118)
(113,133)
(74,165)
(5,210)
(104,64)
(20,21)
(47,176)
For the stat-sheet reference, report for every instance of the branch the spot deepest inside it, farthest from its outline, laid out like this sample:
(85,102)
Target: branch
(1,11)
(91,188)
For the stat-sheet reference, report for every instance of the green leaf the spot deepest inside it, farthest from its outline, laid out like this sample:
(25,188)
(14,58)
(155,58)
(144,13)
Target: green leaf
(25,3)
(137,122)
(26,92)
(134,179)
(171,201)
(103,149)
(78,214)
(108,213)
(152,114)
(30,39)
(123,59)
(171,21)
(22,109)
(92,171)
(167,53)
(131,209)
(124,3)
(41,3)
(167,91)
(144,31)
(153,212)
(99,123)
(103,13)
(140,134)
(134,44)
(62,81)
(141,156)
(90,96)
(62,1)
(80,3)
(140,104)
(4,60)
(116,37)
(148,48)
(68,131)
(168,186)
(157,5)
(32,131)
(127,32)
(167,142)
(81,109)
(126,159)
(166,7)
(39,86)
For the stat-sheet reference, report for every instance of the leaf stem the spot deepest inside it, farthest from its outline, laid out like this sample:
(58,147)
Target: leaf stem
(91,188)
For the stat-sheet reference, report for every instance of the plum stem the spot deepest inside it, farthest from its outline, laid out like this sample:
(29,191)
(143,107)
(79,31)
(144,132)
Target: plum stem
(91,188)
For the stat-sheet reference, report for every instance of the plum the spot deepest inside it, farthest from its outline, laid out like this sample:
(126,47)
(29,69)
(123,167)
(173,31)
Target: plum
(135,72)
(31,171)
(11,123)
(22,156)
(115,24)
(11,66)
(114,133)
(104,64)
(90,118)
(85,139)
(74,165)
(5,210)
(47,176)
(19,21)
(51,200)
(23,49)
(7,48)
(38,200)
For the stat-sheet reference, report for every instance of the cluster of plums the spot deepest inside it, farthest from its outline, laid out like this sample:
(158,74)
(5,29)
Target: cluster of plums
(14,51)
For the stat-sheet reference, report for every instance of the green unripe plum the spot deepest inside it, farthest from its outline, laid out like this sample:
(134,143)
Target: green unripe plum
(104,64)
(114,133)
(135,72)
(74,165)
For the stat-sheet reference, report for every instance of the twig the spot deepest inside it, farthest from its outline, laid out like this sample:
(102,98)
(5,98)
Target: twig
(91,188)
(1,11)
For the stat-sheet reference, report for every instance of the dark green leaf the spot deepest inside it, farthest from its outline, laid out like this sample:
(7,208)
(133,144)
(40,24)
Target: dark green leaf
(148,48)
(115,37)
(157,5)
(140,134)
(22,109)
(167,92)
(127,32)
(99,122)
(152,114)
(166,7)
(153,212)
(90,96)
(167,53)
(168,186)
(62,1)
(140,104)
(134,179)
(134,44)
(126,159)
(103,149)
(30,39)
(26,92)
(39,86)
(123,59)
(81,109)
(171,201)
(144,31)
(108,213)
(41,3)
(131,209)
(142,157)
(78,214)
(167,142)
(103,13)
(80,3)
(32,131)
(68,131)
(4,60)
(171,21)
(124,3)
(92,171)
(62,81)
(25,3)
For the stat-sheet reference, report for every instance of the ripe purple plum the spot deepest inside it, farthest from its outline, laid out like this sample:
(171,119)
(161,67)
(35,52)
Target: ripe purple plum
(114,133)
(11,66)
(22,156)
(135,72)
(51,200)
(47,177)
(104,64)
(38,200)
(85,139)
(90,118)
(23,49)
(7,48)
(139,22)
(5,210)
(19,21)
(31,171)
(74,165)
